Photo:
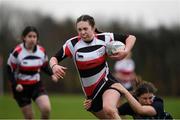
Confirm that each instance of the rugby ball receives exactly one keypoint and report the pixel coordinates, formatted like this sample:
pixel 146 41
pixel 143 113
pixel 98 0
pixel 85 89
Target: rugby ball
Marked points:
pixel 114 46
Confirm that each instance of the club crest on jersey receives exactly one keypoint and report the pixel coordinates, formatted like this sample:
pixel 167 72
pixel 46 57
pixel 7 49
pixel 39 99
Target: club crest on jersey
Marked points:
pixel 80 56
pixel 24 62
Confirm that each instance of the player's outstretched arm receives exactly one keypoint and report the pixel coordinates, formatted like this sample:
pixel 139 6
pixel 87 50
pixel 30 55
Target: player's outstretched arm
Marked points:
pixel 135 105
pixel 58 70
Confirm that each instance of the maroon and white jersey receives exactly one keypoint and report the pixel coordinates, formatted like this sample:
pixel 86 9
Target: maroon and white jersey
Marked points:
pixel 26 65
pixel 89 58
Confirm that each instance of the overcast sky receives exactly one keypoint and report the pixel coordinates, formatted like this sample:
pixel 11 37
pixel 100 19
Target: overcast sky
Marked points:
pixel 151 12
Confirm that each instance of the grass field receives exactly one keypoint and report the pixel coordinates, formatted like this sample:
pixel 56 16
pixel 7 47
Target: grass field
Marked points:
pixel 68 107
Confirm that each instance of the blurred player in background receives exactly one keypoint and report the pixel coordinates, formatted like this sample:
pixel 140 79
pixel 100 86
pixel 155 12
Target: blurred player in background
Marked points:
pixel 124 71
pixel 24 66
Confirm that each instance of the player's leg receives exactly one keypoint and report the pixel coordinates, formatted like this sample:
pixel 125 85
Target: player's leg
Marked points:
pixel 23 100
pixel 27 111
pixel 44 105
pixel 100 114
pixel 111 98
pixel 42 100
pixel 96 106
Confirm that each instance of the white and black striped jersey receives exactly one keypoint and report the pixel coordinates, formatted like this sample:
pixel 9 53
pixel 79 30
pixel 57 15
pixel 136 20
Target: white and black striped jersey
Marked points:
pixel 26 65
pixel 89 58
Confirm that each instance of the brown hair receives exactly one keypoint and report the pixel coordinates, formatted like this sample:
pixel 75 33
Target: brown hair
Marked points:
pixel 144 87
pixel 87 18
pixel 90 20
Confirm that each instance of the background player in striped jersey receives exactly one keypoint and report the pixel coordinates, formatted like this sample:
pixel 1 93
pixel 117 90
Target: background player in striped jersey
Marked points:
pixel 24 65
pixel 124 71
pixel 89 55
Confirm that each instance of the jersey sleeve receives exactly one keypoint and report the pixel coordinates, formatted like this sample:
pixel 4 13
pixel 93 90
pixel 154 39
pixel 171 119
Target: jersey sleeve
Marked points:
pixel 120 37
pixel 125 109
pixel 45 67
pixel 64 52
pixel 12 66
pixel 158 105
pixel 45 58
pixel 12 60
pixel 115 37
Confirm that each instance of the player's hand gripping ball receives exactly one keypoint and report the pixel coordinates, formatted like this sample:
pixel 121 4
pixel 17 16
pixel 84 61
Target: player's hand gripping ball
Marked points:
pixel 114 46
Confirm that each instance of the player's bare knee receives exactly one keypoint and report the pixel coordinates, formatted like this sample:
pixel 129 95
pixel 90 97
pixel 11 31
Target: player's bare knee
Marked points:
pixel 45 114
pixel 109 110
pixel 46 110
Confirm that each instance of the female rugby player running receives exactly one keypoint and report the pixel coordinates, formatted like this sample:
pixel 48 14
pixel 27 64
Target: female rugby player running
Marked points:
pixel 89 55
